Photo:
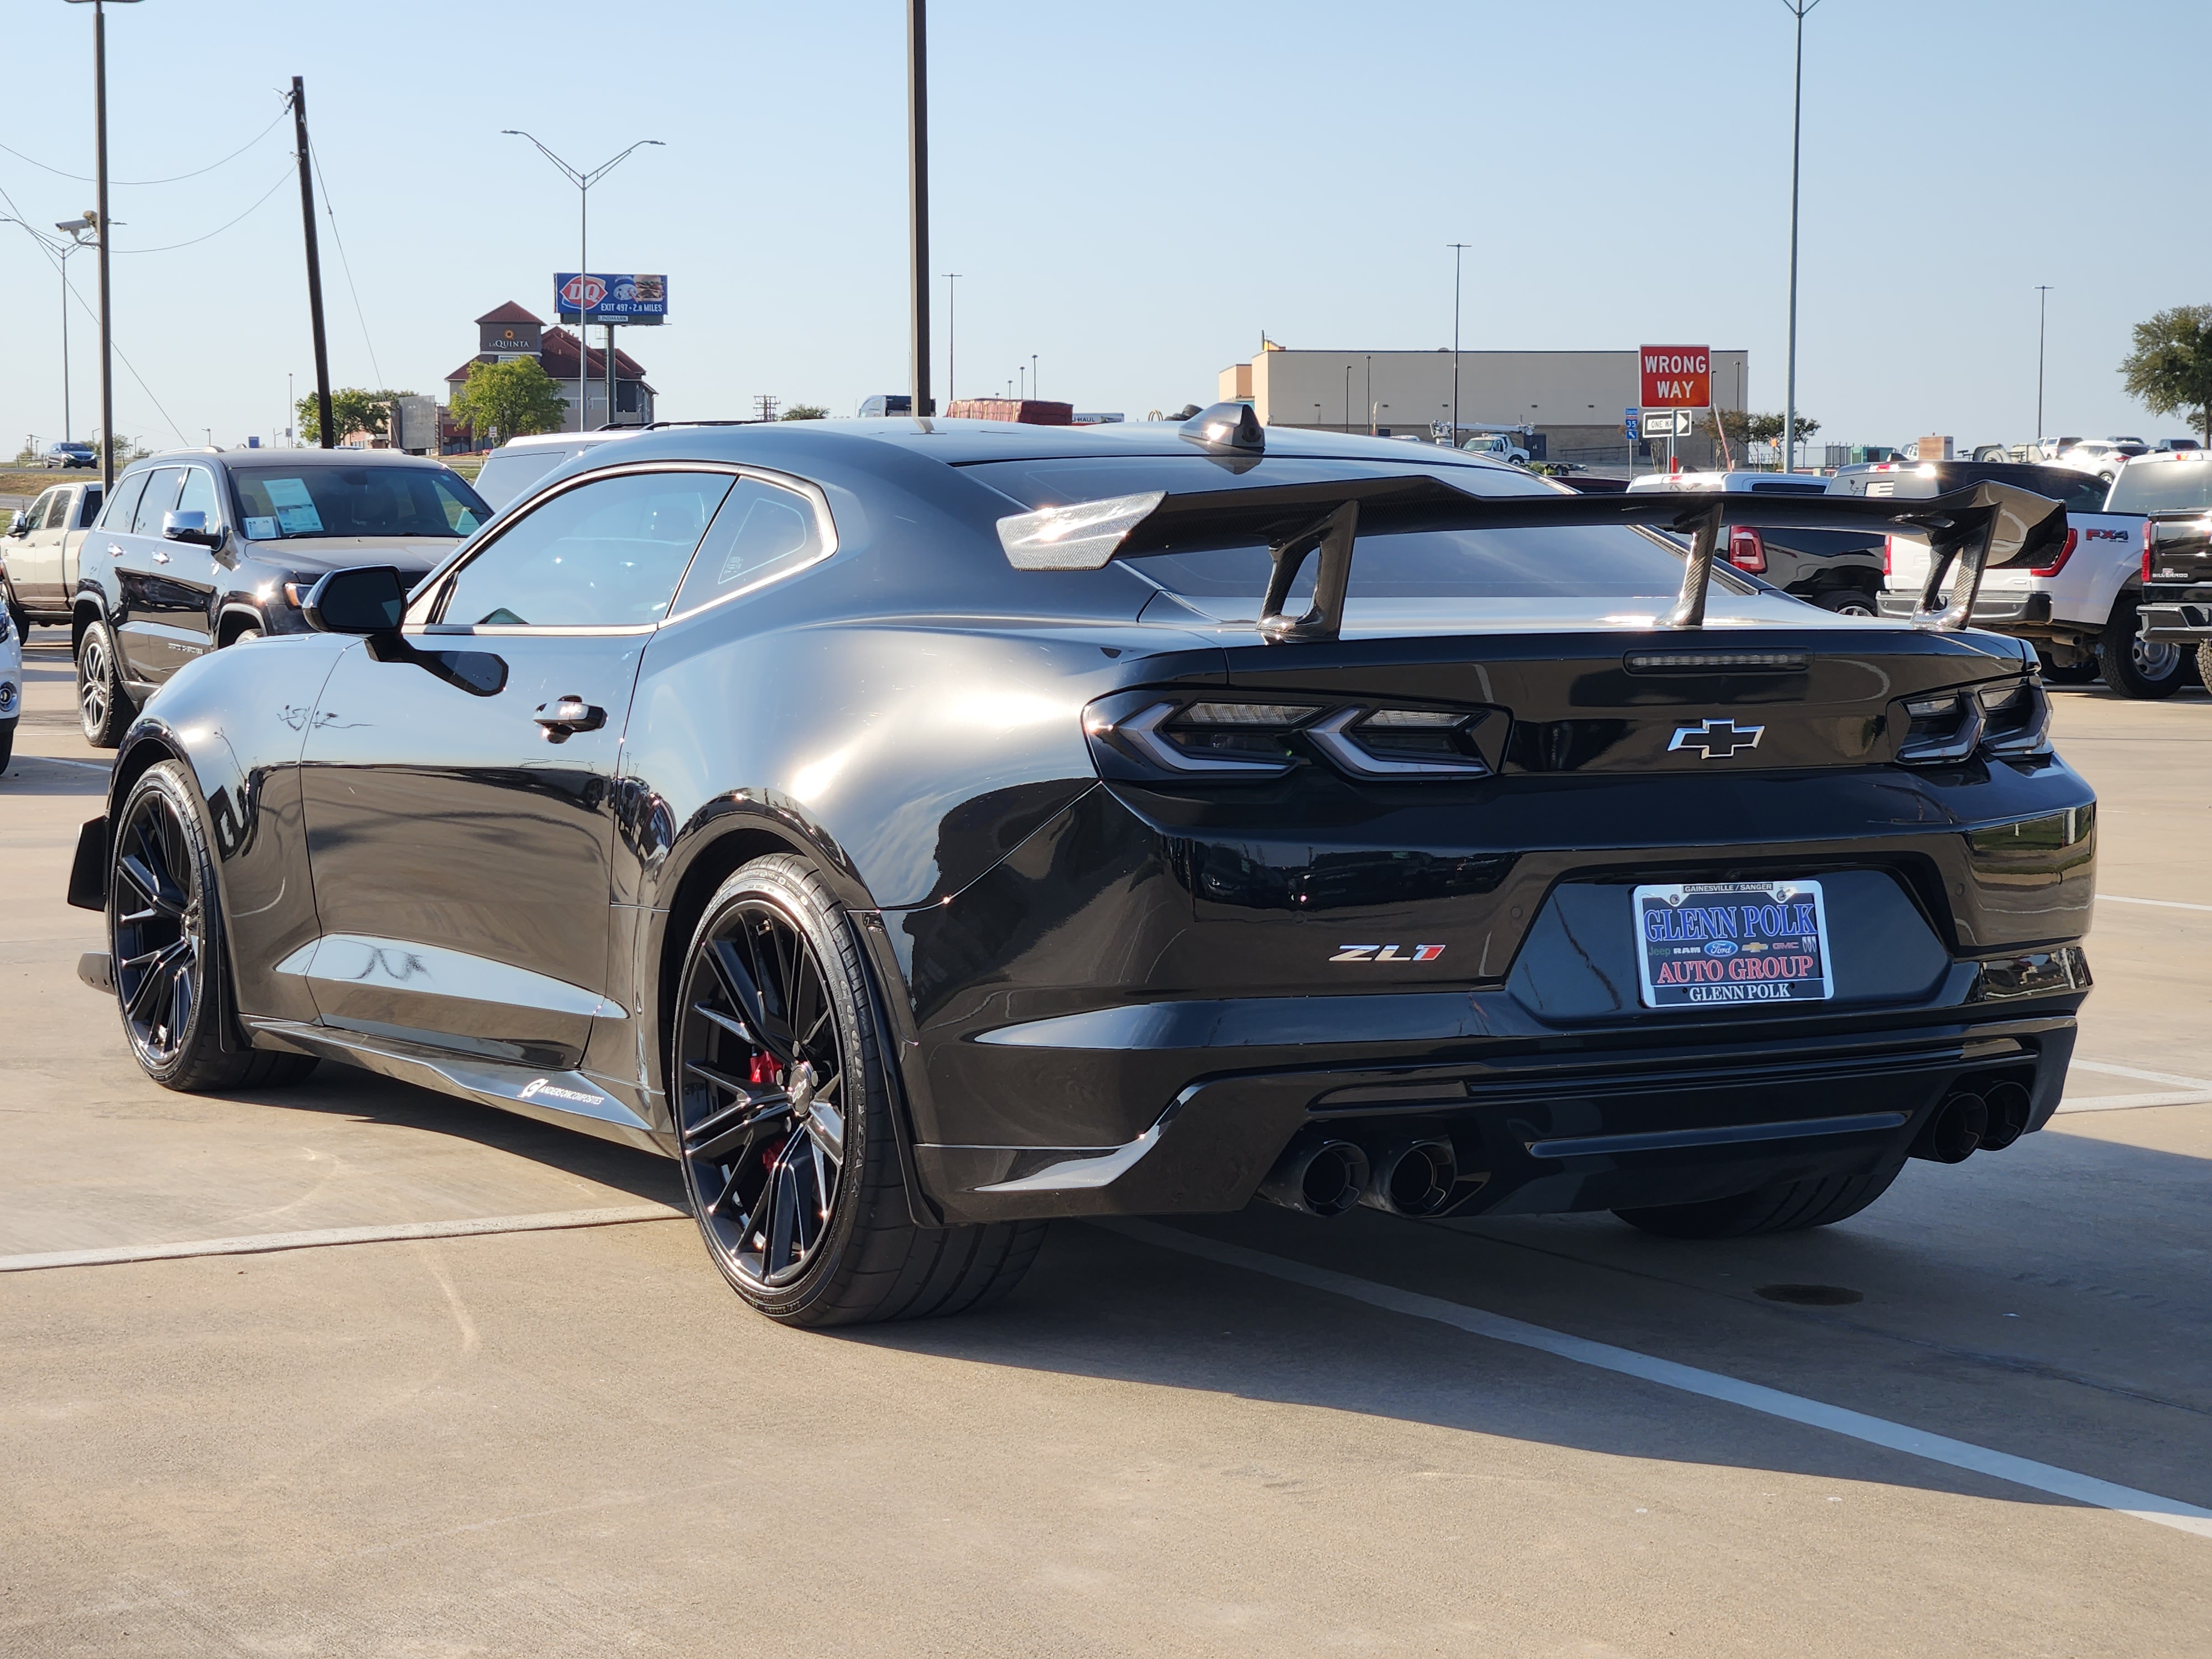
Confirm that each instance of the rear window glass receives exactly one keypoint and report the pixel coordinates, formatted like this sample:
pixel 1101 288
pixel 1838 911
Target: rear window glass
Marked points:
pixel 1583 562
pixel 508 473
pixel 1823 544
pixel 2161 487
pixel 277 503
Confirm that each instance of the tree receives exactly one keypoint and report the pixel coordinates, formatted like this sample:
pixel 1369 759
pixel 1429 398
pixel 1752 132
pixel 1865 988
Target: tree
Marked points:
pixel 509 399
pixel 2170 370
pixel 353 408
pixel 805 412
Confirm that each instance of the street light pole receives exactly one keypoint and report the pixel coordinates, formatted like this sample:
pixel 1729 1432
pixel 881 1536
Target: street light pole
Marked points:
pixel 2042 303
pixel 583 182
pixel 1457 248
pixel 59 253
pixel 952 333
pixel 1798 10
pixel 917 164
pixel 100 211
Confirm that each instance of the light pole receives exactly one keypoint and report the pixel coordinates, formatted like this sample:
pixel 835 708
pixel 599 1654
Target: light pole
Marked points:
pixel 1033 378
pixel 1798 10
pixel 2042 304
pixel 100 213
pixel 1367 394
pixel 1457 248
pixel 952 329
pixel 59 253
pixel 919 404
pixel 583 182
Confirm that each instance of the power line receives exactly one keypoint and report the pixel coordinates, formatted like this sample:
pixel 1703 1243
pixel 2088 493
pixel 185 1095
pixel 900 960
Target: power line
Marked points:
pixel 346 265
pixel 69 288
pixel 171 247
pixel 175 178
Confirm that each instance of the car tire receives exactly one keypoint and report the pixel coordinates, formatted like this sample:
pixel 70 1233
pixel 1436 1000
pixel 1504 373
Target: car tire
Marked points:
pixel 803 1210
pixel 21 622
pixel 103 706
pixel 165 943
pixel 1789 1207
pixel 1848 601
pixel 2133 669
pixel 6 746
pixel 2204 666
pixel 243 636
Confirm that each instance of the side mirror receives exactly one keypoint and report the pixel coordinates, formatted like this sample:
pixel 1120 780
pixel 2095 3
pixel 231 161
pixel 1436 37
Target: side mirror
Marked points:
pixel 366 600
pixel 18 523
pixel 189 526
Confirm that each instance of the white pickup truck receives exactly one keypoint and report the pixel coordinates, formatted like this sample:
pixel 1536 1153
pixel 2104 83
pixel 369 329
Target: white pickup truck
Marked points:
pixel 37 553
pixel 2079 610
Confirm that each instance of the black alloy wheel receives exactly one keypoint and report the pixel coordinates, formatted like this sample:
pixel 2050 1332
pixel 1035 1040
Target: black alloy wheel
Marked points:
pixel 158 919
pixel 164 936
pixel 765 1077
pixel 783 1114
pixel 102 703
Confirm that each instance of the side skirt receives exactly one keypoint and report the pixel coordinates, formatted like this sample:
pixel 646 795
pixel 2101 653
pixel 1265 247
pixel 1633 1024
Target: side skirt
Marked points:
pixel 568 1099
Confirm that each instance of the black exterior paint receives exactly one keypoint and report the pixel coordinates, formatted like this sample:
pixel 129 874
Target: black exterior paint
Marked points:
pixel 1069 961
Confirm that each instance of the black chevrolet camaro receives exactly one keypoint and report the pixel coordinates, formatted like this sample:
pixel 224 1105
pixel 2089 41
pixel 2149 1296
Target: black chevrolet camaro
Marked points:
pixel 922 829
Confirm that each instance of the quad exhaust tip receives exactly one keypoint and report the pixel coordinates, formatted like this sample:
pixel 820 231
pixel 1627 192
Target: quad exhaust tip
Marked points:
pixel 1410 1175
pixel 1987 1120
pixel 1322 1177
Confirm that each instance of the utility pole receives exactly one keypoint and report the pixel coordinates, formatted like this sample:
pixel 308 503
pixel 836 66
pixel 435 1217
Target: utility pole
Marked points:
pixel 1457 248
pixel 1367 394
pixel 2042 304
pixel 951 332
pixel 917 157
pixel 324 422
pixel 1798 10
pixel 99 212
pixel 1033 375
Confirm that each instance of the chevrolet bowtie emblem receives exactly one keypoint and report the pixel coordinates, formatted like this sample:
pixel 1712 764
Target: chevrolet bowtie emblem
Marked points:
pixel 1716 739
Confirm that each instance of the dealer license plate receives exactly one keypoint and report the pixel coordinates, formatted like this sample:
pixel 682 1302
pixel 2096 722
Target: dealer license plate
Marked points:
pixel 1699 944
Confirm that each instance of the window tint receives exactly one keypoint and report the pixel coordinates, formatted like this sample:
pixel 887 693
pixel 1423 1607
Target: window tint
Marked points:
pixel 277 501
pixel 199 495
pixel 90 510
pixel 41 508
pixel 607 552
pixel 762 531
pixel 125 502
pixel 160 497
pixel 509 472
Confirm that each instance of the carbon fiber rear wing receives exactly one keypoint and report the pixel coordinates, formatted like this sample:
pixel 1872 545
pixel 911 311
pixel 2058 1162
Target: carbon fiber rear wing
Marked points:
pixel 1988 527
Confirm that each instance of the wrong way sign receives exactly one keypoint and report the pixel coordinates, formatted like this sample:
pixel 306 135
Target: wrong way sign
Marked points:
pixel 1676 377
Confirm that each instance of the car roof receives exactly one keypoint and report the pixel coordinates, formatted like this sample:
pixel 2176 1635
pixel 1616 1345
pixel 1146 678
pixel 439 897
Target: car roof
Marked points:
pixel 962 443
pixel 307 458
pixel 540 439
pixel 1739 482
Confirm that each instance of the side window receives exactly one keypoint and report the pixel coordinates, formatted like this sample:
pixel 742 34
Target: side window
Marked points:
pixel 199 495
pixel 43 509
pixel 762 531
pixel 124 501
pixel 606 553
pixel 2089 495
pixel 160 497
pixel 89 510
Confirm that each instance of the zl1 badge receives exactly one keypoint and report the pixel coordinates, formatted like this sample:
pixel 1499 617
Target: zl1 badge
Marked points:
pixel 1698 943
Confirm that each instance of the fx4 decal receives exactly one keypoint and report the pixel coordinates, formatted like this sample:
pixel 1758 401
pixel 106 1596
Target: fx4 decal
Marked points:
pixel 1387 953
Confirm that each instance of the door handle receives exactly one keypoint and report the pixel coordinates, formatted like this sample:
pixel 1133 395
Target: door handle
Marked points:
pixel 114 550
pixel 565 716
pixel 160 558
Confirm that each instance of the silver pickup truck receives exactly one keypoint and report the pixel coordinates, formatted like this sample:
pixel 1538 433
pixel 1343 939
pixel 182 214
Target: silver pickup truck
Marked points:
pixel 38 554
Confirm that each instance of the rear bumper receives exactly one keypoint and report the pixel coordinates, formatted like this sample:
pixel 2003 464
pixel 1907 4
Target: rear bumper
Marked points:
pixel 2002 611
pixel 2176 622
pixel 1606 1120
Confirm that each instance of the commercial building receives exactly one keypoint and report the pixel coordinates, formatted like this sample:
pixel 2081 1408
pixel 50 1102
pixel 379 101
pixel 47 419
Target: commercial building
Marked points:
pixel 509 331
pixel 1574 400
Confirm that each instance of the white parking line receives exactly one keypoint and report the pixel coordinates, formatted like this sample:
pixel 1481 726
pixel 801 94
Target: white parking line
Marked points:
pixel 259 1244
pixel 2163 904
pixel 2192 1091
pixel 56 760
pixel 1712 1385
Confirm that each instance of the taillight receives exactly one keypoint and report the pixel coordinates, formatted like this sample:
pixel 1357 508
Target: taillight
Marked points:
pixel 1146 736
pixel 2065 552
pixel 2011 720
pixel 1746 551
pixel 1888 550
pixel 2149 541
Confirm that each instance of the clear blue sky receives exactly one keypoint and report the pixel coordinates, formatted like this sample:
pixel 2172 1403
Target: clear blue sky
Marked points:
pixel 1134 190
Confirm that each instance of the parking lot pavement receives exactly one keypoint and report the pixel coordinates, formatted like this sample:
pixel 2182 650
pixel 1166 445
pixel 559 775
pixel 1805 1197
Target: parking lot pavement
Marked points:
pixel 1229 1435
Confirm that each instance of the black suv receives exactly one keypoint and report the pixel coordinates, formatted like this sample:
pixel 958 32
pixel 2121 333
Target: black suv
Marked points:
pixel 201 549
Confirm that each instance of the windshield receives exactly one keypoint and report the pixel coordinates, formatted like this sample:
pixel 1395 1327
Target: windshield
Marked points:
pixel 277 503
pixel 1581 562
pixel 2161 487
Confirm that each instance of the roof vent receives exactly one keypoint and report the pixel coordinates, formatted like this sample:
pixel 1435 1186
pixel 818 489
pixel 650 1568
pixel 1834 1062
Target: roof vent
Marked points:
pixel 1227 426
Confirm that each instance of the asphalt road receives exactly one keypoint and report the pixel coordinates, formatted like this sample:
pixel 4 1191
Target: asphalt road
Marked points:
pixel 1241 1435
